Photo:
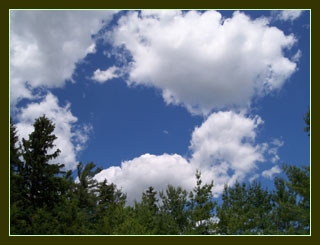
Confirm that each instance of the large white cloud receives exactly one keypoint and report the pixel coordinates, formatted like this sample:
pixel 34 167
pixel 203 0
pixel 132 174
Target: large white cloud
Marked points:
pixel 201 60
pixel 223 148
pixel 136 175
pixel 45 45
pixel 71 137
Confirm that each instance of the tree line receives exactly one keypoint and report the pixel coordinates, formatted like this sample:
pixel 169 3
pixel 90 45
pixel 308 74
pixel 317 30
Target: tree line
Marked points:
pixel 45 199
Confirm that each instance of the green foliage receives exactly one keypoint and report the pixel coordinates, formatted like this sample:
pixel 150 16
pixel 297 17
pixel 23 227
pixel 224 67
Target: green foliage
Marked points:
pixel 245 210
pixel 44 199
pixel 40 177
pixel 291 212
pixel 307 121
pixel 174 216
pixel 201 207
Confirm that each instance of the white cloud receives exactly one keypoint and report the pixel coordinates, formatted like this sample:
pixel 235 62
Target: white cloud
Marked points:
pixel 71 137
pixel 223 149
pixel 136 175
pixel 297 56
pixel 201 60
pixel 270 172
pixel 103 76
pixel 45 45
pixel 273 151
pixel 254 177
pixel 289 15
pixel 225 142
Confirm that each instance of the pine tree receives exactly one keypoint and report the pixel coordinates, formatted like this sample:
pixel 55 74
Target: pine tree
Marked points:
pixel 147 212
pixel 201 208
pixel 307 121
pixel 245 210
pixel 291 199
pixel 174 217
pixel 110 208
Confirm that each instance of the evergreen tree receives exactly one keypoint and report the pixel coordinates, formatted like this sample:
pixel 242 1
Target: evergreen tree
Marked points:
pixel 174 216
pixel 246 209
pixel 147 212
pixel 110 208
pixel 87 186
pixel 201 208
pixel 36 183
pixel 18 193
pixel 232 211
pixel 87 190
pixel 307 121
pixel 284 211
pixel 41 178
pixel 16 166
pixel 291 213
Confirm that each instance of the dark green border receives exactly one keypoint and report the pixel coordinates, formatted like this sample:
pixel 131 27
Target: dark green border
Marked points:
pixel 6 239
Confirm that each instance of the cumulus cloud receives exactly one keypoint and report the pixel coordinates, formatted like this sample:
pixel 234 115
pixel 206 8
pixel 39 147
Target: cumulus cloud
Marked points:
pixel 270 172
pixel 45 45
pixel 201 60
pixel 71 138
pixel 288 15
pixel 103 76
pixel 223 149
pixel 224 142
pixel 135 175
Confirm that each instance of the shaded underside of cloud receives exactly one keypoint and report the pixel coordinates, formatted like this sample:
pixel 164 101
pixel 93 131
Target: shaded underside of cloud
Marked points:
pixel 201 60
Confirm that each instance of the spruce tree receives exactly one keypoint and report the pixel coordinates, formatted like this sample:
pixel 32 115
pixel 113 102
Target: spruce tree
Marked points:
pixel 41 177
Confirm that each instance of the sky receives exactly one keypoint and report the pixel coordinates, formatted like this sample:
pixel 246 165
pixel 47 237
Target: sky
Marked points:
pixel 152 96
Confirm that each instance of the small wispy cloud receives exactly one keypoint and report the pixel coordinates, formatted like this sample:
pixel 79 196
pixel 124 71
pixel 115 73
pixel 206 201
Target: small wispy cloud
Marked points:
pixel 297 56
pixel 270 172
pixel 103 76
pixel 273 151
pixel 287 15
pixel 165 131
pixel 254 177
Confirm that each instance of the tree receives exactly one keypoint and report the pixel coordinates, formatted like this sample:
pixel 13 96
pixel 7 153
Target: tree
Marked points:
pixel 87 186
pixel 17 188
pixel 259 211
pixel 232 211
pixel 245 210
pixel 291 213
pixel 201 208
pixel 19 202
pixel 147 212
pixel 37 184
pixel 110 208
pixel 41 178
pixel 307 121
pixel 174 216
pixel 284 211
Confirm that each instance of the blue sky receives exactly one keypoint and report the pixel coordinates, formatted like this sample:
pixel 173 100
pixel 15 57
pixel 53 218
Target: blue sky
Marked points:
pixel 151 96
